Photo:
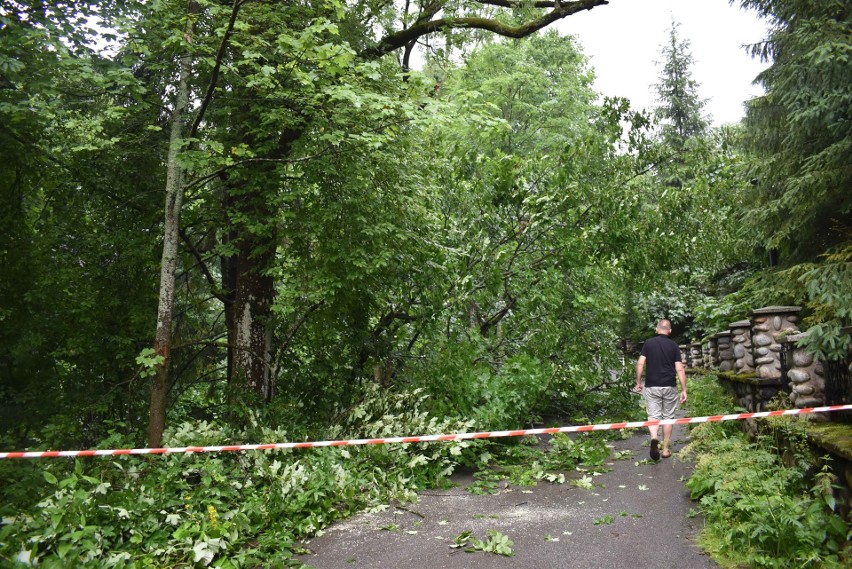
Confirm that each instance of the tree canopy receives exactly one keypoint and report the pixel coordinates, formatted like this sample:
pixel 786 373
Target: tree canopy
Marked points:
pixel 250 220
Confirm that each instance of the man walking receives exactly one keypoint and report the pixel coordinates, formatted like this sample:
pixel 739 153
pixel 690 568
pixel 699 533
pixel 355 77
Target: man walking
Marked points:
pixel 661 398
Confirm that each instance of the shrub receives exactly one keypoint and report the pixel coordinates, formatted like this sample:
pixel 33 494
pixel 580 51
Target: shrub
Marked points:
pixel 765 502
pixel 241 509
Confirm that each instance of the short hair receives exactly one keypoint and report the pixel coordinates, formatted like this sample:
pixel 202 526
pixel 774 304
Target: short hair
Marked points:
pixel 664 325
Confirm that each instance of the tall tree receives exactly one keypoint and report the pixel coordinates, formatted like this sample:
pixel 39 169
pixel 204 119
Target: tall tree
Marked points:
pixel 799 135
pixel 272 73
pixel 171 233
pixel 534 200
pixel 680 108
pixel 78 246
pixel 695 183
pixel 800 131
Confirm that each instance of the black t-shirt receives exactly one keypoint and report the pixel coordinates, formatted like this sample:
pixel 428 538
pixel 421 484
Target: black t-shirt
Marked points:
pixel 661 353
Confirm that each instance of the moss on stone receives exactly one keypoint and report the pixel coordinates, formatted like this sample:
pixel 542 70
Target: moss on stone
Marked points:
pixel 834 437
pixel 750 378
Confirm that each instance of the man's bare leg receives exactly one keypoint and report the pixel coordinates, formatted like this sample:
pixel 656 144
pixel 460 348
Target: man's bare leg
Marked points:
pixel 667 435
pixel 653 430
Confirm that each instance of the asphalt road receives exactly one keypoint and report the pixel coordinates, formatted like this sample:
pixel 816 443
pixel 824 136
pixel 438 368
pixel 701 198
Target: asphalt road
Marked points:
pixel 552 526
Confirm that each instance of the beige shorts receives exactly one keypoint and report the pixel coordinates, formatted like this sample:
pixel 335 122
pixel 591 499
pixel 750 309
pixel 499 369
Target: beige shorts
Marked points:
pixel 661 402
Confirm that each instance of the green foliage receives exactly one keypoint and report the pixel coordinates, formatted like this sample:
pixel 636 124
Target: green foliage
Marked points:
pixel 799 131
pixel 708 397
pixel 680 107
pixel 527 462
pixel 485 482
pixel 582 396
pixel 689 252
pixel 827 284
pixel 148 361
pixel 821 287
pixel 234 510
pixel 496 543
pixel 762 509
pixel 492 398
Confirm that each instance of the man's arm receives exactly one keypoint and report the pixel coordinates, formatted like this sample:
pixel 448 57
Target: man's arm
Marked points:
pixel 681 374
pixel 640 366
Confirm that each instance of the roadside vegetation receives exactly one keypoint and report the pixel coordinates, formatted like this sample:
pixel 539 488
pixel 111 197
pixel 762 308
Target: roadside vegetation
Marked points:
pixel 767 501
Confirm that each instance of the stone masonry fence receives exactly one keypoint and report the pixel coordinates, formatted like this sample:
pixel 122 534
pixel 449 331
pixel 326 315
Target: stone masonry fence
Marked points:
pixel 758 358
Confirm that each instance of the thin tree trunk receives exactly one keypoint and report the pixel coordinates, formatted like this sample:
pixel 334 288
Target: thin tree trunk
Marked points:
pixel 168 263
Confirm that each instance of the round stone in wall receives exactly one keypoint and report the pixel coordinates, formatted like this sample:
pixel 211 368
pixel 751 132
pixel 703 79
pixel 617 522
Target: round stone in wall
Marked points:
pixel 802 359
pixel 762 340
pixel 804 389
pixel 767 372
pixel 798 375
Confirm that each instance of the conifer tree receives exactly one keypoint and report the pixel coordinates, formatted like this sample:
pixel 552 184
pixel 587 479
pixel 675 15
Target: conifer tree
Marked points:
pixel 680 109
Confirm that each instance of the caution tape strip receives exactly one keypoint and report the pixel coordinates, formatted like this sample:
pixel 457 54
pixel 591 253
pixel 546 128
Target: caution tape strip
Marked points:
pixel 424 438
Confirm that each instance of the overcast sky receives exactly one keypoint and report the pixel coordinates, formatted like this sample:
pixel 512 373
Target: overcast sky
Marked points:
pixel 623 41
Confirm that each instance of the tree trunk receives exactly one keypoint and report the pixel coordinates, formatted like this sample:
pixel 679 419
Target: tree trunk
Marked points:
pixel 251 326
pixel 229 268
pixel 168 263
pixel 252 314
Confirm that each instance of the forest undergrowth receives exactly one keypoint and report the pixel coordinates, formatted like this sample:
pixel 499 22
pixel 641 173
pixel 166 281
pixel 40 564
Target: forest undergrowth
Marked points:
pixel 767 500
pixel 249 509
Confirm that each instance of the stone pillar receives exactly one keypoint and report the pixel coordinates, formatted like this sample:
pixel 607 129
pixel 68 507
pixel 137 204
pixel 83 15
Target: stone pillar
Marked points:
pixel 630 347
pixel 714 351
pixel 684 354
pixel 769 326
pixel 806 375
pixel 741 340
pixel 726 351
pixel 705 355
pixel 696 359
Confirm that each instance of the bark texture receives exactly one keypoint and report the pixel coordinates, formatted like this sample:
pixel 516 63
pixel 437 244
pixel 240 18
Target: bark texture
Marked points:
pixel 168 263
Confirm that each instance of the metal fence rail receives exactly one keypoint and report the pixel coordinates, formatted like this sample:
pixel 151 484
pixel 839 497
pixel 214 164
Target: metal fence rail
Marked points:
pixel 838 386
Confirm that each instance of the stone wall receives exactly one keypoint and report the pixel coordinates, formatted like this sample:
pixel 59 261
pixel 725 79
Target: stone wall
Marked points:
pixel 726 351
pixel 750 392
pixel 769 327
pixel 741 340
pixel 806 375
pixel 748 356
pixel 696 357
pixel 713 347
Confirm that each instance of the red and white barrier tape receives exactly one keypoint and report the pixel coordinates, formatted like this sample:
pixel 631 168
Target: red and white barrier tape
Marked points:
pixel 425 438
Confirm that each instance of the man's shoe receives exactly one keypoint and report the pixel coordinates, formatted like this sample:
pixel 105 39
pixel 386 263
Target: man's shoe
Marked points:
pixel 655 449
